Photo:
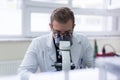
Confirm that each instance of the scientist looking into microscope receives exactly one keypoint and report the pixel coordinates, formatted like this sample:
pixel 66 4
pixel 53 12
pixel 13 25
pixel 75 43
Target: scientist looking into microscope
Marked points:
pixel 43 52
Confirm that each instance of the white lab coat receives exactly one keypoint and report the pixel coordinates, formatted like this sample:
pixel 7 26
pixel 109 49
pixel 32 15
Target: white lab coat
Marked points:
pixel 42 54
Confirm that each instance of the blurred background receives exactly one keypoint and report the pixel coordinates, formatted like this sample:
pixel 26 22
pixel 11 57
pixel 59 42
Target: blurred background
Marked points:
pixel 23 20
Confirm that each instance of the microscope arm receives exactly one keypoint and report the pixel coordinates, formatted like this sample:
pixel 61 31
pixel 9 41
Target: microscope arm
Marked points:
pixel 65 53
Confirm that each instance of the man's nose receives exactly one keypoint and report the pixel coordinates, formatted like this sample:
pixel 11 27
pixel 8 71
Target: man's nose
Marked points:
pixel 62 33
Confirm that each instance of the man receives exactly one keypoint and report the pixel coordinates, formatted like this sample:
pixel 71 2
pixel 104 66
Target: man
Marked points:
pixel 43 51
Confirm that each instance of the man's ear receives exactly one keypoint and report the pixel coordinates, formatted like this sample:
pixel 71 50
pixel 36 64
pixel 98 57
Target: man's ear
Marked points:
pixel 50 26
pixel 73 26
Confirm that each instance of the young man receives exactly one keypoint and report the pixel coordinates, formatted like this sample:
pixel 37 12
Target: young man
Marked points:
pixel 43 51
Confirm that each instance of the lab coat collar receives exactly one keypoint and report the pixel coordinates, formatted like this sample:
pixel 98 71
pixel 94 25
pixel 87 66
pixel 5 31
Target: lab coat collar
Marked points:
pixel 51 48
pixel 76 49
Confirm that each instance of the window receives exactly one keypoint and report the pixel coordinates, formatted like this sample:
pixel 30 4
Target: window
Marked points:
pixel 88 23
pixel 51 1
pixel 88 3
pixel 31 18
pixel 91 16
pixel 10 17
pixel 40 22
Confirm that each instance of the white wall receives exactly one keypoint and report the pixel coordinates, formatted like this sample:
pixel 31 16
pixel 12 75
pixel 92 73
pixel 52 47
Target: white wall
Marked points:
pixel 15 50
pixel 114 42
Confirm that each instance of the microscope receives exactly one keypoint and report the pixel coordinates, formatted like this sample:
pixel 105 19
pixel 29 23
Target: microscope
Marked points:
pixel 64 43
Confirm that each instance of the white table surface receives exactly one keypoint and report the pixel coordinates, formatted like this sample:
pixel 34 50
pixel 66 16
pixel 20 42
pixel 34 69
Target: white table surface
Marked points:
pixel 83 74
pixel 111 65
pixel 100 61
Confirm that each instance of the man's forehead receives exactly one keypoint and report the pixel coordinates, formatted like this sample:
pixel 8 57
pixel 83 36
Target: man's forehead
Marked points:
pixel 68 25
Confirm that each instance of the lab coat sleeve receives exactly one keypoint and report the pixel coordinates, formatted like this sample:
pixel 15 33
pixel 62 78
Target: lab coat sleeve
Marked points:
pixel 29 64
pixel 88 55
